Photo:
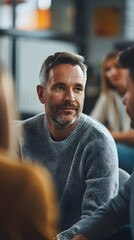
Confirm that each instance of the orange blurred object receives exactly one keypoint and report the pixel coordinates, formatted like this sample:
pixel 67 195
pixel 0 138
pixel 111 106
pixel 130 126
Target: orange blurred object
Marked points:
pixel 43 19
pixel 107 22
pixel 38 20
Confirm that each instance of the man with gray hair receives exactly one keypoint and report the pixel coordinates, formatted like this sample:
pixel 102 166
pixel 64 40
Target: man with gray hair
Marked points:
pixel 78 151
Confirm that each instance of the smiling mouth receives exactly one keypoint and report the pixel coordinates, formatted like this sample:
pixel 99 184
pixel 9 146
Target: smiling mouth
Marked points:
pixel 67 109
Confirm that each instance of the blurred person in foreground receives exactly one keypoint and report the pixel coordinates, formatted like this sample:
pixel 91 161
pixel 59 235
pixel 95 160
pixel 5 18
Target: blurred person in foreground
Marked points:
pixel 28 207
pixel 111 217
pixel 78 151
pixel 110 111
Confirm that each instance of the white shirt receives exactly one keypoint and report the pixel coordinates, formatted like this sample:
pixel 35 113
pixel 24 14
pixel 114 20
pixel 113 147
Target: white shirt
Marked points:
pixel 110 111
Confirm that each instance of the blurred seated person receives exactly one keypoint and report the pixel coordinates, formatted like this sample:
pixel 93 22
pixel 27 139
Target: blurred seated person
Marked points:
pixel 28 208
pixel 111 112
pixel 108 220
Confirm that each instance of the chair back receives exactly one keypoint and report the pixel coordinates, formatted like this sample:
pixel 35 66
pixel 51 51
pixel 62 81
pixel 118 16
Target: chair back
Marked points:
pixel 123 177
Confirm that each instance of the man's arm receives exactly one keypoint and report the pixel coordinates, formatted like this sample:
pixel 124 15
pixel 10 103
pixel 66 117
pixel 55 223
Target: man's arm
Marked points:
pixel 101 182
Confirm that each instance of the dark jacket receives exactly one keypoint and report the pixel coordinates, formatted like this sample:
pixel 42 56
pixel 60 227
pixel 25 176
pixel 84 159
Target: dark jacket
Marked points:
pixel 111 217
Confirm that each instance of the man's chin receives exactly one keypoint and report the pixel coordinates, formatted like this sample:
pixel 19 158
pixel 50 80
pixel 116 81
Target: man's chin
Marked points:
pixel 65 122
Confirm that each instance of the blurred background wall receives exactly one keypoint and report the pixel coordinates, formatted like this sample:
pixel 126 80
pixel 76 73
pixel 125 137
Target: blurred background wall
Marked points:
pixel 30 30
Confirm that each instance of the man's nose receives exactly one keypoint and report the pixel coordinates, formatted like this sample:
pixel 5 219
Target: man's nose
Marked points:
pixel 70 95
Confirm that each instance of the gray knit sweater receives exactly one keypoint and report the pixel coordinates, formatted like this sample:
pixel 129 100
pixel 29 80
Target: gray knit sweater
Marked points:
pixel 84 167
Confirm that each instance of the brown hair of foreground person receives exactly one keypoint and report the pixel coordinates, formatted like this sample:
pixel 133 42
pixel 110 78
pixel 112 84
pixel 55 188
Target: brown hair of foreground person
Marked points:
pixel 28 203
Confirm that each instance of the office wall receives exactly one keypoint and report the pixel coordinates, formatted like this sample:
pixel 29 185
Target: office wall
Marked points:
pixel 30 55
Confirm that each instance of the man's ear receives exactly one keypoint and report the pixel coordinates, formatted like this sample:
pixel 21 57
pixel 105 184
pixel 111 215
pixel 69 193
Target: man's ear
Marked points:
pixel 40 92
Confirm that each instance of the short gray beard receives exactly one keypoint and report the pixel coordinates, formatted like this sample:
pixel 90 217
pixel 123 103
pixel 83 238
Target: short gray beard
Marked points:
pixel 60 121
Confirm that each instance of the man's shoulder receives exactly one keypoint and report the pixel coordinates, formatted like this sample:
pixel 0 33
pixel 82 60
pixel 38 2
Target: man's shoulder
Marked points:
pixel 89 121
pixel 94 127
pixel 32 120
pixel 31 126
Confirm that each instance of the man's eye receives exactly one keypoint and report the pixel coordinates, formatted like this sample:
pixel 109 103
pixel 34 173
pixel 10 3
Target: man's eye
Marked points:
pixel 78 89
pixel 59 87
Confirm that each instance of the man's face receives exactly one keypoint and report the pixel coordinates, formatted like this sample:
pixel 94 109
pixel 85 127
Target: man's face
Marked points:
pixel 128 98
pixel 64 95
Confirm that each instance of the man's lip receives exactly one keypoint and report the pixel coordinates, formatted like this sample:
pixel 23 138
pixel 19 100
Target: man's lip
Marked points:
pixel 67 109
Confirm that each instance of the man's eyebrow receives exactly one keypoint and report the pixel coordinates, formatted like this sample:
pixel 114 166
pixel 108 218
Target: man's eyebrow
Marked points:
pixel 59 83
pixel 79 84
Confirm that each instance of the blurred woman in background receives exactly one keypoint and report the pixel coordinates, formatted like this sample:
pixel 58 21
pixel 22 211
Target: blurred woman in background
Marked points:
pixel 28 207
pixel 111 112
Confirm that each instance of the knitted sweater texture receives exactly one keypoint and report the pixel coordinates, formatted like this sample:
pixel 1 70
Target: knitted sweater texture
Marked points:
pixel 84 167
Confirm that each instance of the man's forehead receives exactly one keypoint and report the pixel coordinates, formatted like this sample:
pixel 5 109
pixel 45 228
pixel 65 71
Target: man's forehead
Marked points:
pixel 59 73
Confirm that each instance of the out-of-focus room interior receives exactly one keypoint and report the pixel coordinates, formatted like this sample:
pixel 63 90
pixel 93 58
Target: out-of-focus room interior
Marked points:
pixel 30 30
pixel 85 159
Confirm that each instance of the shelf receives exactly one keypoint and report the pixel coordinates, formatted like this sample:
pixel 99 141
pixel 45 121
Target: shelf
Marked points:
pixel 40 35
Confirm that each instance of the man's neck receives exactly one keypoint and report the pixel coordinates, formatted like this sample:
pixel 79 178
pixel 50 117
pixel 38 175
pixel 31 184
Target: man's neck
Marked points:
pixel 60 133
